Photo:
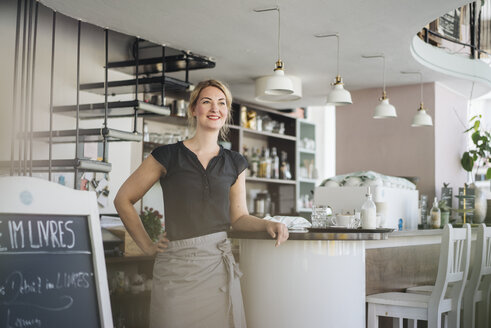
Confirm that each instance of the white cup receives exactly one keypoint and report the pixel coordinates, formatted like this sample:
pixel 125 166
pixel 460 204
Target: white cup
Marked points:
pixel 348 221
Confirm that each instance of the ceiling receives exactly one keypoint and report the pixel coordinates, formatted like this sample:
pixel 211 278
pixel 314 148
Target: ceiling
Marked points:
pixel 243 42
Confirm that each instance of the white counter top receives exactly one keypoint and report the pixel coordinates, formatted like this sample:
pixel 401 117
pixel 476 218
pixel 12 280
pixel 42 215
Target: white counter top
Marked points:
pixel 410 238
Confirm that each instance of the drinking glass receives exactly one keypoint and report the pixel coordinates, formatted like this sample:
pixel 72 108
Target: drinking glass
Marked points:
pixel 320 216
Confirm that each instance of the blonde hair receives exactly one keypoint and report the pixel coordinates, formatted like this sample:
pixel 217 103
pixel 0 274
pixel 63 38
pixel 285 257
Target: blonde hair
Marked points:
pixel 193 100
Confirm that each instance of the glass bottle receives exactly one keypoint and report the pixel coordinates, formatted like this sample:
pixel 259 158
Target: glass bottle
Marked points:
pixel 435 215
pixel 262 164
pixel 275 164
pixel 254 163
pixel 268 164
pixel 285 172
pixel 368 213
pixel 146 134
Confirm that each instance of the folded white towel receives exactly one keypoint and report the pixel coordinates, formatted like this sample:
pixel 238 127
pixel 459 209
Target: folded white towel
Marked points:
pixel 291 222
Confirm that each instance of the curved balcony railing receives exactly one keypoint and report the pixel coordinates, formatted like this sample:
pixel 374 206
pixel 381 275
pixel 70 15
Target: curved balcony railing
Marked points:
pixel 466 30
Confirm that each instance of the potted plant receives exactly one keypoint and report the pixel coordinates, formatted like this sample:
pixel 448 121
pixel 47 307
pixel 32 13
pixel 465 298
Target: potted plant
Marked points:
pixel 480 155
pixel 474 159
pixel 151 222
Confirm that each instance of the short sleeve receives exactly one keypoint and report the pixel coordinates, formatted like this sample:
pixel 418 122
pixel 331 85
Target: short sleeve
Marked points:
pixel 240 162
pixel 162 154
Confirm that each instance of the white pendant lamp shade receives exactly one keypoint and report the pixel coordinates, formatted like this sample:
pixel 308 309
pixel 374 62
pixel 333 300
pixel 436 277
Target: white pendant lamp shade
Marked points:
pixel 278 84
pixel 262 96
pixel 422 118
pixel 277 87
pixel 384 109
pixel 339 96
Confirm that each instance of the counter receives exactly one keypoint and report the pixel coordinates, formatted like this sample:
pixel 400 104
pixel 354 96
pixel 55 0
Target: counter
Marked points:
pixel 312 280
pixel 321 279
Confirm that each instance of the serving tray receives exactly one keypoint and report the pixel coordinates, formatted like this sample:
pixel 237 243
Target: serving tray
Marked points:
pixel 348 230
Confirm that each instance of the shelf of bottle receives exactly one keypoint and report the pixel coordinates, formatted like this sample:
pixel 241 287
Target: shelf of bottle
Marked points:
pixel 173 63
pixel 306 151
pixel 145 84
pixel 268 134
pixel 304 209
pixel 307 180
pixel 267 180
pixel 115 109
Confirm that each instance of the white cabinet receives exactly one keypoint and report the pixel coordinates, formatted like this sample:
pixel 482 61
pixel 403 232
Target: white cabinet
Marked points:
pixel 305 166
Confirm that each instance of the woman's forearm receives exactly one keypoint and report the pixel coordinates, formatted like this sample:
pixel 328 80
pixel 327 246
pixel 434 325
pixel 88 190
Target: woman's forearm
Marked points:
pixel 249 223
pixel 134 225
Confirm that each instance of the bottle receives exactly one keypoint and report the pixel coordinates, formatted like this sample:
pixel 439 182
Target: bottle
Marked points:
pixel 368 213
pixel 268 165
pixel 146 135
pixel 247 156
pixel 254 163
pixel 435 215
pixel 262 164
pixel 243 116
pixel 275 164
pixel 285 172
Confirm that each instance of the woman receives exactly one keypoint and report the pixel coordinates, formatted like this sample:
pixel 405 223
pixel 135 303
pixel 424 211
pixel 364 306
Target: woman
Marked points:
pixel 195 278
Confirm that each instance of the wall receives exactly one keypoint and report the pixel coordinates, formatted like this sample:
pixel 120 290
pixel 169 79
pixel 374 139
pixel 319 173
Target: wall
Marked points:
pixel 450 141
pixel 92 70
pixel 387 146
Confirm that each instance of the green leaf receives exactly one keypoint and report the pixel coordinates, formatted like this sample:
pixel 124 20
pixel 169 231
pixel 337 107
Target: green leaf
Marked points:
pixel 476 136
pixel 467 162
pixel 488 174
pixel 476 125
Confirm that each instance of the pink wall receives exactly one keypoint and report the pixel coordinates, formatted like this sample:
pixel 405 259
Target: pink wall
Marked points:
pixel 387 146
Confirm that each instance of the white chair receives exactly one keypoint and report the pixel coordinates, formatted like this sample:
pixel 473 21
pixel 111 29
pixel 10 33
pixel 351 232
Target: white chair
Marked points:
pixel 477 289
pixel 476 294
pixel 453 268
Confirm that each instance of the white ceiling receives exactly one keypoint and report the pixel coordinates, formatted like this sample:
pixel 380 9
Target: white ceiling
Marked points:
pixel 243 42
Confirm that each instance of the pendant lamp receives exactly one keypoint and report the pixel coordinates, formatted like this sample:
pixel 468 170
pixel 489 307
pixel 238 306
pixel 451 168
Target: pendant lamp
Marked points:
pixel 421 118
pixel 384 109
pixel 338 96
pixel 278 86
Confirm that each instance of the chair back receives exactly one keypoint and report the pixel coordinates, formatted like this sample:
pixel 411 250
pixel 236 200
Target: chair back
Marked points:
pixel 453 267
pixel 481 273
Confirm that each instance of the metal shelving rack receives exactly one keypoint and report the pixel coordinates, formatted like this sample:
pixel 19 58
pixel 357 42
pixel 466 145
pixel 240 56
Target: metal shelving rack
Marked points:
pixel 149 76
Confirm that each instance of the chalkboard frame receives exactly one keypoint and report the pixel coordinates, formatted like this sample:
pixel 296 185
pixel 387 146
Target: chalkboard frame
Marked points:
pixel 28 195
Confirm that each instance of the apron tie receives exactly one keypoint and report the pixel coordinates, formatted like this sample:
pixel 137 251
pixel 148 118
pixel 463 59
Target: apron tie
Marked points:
pixel 233 272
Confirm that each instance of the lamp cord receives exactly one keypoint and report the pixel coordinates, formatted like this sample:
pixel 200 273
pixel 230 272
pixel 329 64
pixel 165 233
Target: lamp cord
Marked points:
pixel 279 30
pixel 383 73
pixel 337 64
pixel 421 86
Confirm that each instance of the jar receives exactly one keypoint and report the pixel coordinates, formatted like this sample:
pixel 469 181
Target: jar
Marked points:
pixel 262 204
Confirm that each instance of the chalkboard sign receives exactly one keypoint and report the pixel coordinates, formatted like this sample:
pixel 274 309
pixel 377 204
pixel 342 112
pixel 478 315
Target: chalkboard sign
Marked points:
pixel 52 271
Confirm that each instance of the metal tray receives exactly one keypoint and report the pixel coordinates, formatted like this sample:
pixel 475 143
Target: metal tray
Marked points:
pixel 344 229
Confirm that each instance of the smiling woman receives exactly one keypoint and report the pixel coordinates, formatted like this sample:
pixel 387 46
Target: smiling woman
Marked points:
pixel 211 95
pixel 203 187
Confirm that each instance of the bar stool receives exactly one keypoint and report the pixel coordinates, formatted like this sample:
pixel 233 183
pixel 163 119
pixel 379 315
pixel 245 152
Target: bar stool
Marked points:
pixel 453 268
pixel 478 287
